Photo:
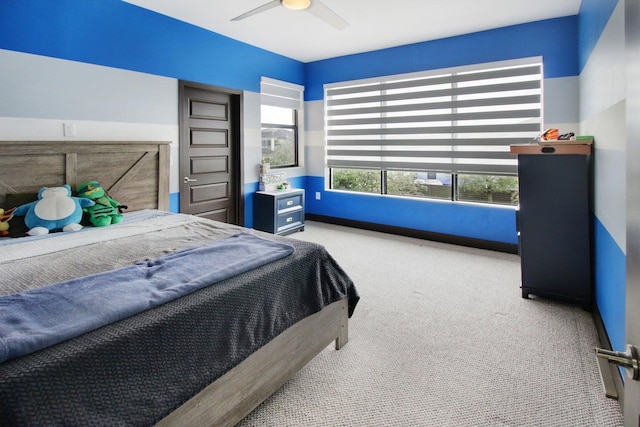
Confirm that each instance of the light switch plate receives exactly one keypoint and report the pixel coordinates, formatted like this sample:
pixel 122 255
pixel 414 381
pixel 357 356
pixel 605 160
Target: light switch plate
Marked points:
pixel 69 129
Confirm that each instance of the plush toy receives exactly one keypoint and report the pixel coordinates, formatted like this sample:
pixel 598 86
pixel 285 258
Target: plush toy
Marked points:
pixel 106 210
pixel 54 210
pixel 5 217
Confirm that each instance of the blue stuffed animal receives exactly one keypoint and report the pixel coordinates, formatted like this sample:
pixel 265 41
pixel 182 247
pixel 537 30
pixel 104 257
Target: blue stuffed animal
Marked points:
pixel 54 210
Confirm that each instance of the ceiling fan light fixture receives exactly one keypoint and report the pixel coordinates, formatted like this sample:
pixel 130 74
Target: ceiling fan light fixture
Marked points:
pixel 296 4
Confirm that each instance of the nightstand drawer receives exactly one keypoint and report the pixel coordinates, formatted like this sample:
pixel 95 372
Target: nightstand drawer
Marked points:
pixel 291 219
pixel 290 202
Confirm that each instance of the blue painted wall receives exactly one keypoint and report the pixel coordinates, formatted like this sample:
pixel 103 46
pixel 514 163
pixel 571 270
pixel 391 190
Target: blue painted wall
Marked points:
pixel 593 18
pixel 555 40
pixel 458 219
pixel 610 284
pixel 117 34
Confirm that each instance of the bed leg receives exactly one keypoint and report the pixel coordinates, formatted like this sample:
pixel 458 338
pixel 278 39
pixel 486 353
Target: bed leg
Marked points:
pixel 343 335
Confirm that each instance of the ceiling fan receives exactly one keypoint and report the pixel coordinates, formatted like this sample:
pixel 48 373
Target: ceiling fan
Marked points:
pixel 315 7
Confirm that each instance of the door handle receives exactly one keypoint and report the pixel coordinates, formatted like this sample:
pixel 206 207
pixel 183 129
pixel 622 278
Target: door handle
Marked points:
pixel 628 360
pixel 187 179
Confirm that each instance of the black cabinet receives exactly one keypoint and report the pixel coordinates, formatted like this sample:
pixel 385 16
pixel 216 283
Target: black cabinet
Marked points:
pixel 279 212
pixel 554 224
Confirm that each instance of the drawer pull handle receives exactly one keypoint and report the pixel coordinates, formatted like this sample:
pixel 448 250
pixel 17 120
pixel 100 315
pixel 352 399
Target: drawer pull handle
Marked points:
pixel 290 219
pixel 289 202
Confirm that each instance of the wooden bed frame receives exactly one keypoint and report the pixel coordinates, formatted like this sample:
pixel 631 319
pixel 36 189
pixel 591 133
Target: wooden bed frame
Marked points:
pixel 136 173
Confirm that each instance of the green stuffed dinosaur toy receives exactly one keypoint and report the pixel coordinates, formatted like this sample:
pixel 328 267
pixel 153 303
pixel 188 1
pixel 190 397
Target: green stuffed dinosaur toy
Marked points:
pixel 106 211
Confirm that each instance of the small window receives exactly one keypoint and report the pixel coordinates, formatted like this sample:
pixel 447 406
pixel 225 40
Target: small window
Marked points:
pixel 358 180
pixel 279 136
pixel 494 189
pixel 419 184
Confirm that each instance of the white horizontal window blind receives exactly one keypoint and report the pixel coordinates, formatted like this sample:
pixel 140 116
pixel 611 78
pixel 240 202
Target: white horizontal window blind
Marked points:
pixel 281 94
pixel 460 120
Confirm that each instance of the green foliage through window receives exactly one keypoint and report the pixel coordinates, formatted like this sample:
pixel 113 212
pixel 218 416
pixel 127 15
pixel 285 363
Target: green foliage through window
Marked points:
pixel 363 181
pixel 278 147
pixel 414 184
pixel 279 136
pixel 501 190
pixel 492 189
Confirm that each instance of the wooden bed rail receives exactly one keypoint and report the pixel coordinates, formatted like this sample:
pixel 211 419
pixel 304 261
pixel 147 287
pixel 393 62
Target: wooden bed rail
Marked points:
pixel 234 395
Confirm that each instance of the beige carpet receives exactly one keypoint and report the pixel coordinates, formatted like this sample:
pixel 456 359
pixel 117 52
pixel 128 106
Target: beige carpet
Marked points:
pixel 442 337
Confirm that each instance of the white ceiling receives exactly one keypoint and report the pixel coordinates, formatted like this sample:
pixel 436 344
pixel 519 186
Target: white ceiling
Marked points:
pixel 373 24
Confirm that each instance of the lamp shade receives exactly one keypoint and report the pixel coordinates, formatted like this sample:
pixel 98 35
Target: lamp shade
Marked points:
pixel 296 4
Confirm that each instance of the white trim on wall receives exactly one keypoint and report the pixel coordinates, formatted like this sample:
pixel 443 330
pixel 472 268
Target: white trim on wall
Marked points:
pixel 50 88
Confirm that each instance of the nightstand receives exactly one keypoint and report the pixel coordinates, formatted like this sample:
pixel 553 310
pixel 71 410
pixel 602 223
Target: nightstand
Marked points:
pixel 279 212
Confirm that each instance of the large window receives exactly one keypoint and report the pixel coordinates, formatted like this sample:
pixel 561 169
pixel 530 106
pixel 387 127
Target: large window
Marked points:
pixel 280 102
pixel 442 134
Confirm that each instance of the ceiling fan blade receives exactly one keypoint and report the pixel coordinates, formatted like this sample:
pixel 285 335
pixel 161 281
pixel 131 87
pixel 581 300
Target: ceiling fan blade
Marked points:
pixel 321 11
pixel 258 9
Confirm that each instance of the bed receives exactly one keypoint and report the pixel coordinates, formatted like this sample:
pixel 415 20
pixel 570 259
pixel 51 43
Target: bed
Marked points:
pixel 208 357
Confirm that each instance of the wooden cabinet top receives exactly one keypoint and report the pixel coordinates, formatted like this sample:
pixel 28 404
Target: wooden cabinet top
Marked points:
pixel 550 148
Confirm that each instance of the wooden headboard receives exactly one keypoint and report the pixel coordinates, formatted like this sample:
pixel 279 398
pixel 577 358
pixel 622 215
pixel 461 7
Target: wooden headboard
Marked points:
pixel 135 173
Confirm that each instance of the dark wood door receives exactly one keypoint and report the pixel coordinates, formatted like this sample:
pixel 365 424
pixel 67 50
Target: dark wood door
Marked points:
pixel 210 153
